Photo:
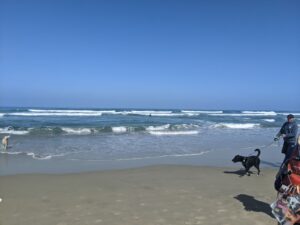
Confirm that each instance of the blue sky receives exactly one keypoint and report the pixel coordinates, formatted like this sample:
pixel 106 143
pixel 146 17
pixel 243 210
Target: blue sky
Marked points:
pixel 150 54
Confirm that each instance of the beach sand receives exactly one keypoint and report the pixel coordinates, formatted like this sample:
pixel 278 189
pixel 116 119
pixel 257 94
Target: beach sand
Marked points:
pixel 146 196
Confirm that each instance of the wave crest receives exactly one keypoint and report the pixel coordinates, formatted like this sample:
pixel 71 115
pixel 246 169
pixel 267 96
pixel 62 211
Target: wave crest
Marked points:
pixel 237 125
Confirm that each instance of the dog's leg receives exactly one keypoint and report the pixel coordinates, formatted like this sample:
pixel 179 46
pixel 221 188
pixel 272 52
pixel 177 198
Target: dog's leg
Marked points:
pixel 258 170
pixel 247 171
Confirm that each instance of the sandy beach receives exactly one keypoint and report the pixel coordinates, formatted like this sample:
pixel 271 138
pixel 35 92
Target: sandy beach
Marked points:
pixel 150 195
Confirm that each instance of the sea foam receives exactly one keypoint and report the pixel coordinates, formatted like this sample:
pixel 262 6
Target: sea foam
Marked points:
pixel 9 130
pixel 158 128
pixel 119 129
pixel 236 125
pixel 162 133
pixel 270 120
pixel 76 130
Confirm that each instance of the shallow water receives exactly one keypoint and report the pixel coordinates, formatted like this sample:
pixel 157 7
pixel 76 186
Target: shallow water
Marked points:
pixel 80 140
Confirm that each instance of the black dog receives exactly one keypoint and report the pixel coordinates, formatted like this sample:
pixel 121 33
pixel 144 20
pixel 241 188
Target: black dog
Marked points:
pixel 249 161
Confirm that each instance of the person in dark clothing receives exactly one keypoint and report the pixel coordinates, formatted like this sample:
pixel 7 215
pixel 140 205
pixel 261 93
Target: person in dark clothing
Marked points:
pixel 288 132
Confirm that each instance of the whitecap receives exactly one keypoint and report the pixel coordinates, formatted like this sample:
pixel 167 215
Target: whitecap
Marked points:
pixel 236 125
pixel 119 129
pixel 269 120
pixel 242 114
pixel 76 130
pixel 262 113
pixel 295 114
pixel 201 112
pixel 9 130
pixel 55 114
pixel 162 133
pixel 155 128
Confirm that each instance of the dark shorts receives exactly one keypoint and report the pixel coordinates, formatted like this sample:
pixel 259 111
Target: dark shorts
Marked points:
pixel 286 147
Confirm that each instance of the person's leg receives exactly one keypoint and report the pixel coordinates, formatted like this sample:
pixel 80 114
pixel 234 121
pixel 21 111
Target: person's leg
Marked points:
pixel 284 148
pixel 290 150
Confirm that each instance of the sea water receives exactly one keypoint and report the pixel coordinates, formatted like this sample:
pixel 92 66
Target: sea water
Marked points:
pixel 108 138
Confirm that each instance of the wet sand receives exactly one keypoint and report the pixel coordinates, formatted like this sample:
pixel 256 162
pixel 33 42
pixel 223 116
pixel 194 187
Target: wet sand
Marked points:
pixel 156 195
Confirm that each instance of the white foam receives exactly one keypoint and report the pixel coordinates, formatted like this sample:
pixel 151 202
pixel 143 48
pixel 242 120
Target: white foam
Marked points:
pixel 161 133
pixel 34 156
pixel 76 130
pixel 185 126
pixel 236 125
pixel 149 113
pixel 143 158
pixel 31 154
pixel 61 111
pixel 12 153
pixel 79 111
pixel 2 114
pixel 55 114
pixel 156 128
pixel 170 114
pixel 164 156
pixel 264 113
pixel 242 114
pixel 119 129
pixel 285 114
pixel 269 120
pixel 201 112
pixel 12 131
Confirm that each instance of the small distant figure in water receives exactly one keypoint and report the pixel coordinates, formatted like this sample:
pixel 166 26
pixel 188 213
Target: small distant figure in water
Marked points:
pixel 150 115
pixel 5 142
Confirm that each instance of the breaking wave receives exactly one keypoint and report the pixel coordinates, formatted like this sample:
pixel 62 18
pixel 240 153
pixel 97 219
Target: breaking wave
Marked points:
pixel 262 113
pixel 201 112
pixel 237 125
pixel 77 130
pixel 66 112
pixel 270 120
pixel 285 114
pixel 158 128
pixel 162 133
pixel 119 129
pixel 10 130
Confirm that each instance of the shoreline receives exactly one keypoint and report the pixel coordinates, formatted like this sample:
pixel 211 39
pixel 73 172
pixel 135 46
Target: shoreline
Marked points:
pixel 24 164
pixel 163 194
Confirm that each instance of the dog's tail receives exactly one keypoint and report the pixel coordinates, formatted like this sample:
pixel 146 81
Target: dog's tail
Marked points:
pixel 258 152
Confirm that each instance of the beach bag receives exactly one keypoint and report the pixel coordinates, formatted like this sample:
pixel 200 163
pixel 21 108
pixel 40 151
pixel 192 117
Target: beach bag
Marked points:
pixel 287 210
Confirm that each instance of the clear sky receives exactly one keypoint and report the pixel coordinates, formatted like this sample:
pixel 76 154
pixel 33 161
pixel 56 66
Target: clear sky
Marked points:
pixel 202 54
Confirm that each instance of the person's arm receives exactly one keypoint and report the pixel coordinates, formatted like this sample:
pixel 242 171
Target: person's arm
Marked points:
pixel 280 133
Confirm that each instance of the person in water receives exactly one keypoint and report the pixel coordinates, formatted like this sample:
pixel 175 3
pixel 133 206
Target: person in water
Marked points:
pixel 288 132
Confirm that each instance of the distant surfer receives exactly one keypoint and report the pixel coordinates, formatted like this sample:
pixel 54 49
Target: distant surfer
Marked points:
pixel 5 142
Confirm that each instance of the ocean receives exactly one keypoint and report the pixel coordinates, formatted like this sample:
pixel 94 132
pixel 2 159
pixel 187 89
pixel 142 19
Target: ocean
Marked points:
pixel 87 139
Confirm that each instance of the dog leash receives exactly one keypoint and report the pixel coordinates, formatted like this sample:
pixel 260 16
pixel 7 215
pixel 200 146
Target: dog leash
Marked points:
pixel 262 146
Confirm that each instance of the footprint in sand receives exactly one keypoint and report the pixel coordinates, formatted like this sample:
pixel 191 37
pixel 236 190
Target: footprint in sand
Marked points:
pixel 221 210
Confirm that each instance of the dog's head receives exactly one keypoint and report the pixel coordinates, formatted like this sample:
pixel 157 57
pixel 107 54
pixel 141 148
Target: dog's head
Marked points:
pixel 237 158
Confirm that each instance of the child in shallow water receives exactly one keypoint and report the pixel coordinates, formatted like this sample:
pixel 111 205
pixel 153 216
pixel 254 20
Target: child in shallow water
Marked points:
pixel 5 142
